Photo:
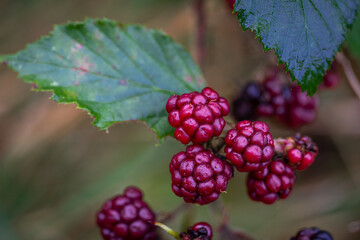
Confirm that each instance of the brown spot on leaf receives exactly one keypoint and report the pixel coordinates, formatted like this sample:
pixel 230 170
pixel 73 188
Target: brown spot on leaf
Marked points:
pixel 188 79
pixel 122 82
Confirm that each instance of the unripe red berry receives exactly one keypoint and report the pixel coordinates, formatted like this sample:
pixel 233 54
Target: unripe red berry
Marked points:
pixel 298 151
pixel 249 146
pixel 126 217
pixel 197 116
pixel 271 183
pixel 198 175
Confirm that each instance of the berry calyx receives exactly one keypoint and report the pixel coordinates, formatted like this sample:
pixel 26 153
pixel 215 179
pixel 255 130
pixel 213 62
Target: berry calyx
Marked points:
pixel 249 146
pixel 200 231
pixel 298 151
pixel 312 234
pixel 126 217
pixel 198 175
pixel 271 183
pixel 197 116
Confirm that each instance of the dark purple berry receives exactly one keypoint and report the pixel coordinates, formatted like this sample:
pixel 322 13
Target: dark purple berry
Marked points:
pixel 244 107
pixel 200 231
pixel 312 234
pixel 126 217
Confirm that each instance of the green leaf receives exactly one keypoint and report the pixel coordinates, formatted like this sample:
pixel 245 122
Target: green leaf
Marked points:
pixel 353 38
pixel 117 73
pixel 305 34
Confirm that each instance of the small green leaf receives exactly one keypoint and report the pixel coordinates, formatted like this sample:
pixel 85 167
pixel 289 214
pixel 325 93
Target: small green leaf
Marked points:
pixel 353 38
pixel 117 73
pixel 305 34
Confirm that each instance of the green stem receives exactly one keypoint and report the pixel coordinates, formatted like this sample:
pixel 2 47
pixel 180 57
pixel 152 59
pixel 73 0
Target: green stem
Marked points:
pixel 168 230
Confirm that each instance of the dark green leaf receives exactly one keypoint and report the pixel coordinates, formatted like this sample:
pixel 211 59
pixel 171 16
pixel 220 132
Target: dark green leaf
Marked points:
pixel 117 73
pixel 353 39
pixel 305 34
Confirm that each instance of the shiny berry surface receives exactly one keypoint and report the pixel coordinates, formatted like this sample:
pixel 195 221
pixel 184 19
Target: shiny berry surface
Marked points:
pixel 271 183
pixel 126 217
pixel 197 116
pixel 200 231
pixel 249 146
pixel 198 175
pixel 312 234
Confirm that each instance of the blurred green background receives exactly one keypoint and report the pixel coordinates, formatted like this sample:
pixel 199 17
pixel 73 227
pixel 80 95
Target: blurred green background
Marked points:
pixel 56 169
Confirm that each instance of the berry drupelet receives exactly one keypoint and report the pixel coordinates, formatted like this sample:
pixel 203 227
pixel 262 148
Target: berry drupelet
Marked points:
pixel 249 146
pixel 198 175
pixel 197 116
pixel 126 217
pixel 271 183
pixel 200 231
pixel 312 234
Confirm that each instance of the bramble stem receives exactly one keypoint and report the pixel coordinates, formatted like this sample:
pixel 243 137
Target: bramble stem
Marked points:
pixel 349 72
pixel 200 31
pixel 168 230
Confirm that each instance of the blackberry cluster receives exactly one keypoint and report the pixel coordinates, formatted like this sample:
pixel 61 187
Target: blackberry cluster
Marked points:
pixel 200 231
pixel 126 217
pixel 197 116
pixel 271 183
pixel 299 151
pixel 312 234
pixel 276 97
pixel 249 146
pixel 198 175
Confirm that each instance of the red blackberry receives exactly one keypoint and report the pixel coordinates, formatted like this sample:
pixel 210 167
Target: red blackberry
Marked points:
pixel 249 146
pixel 331 78
pixel 271 182
pixel 312 234
pixel 298 151
pixel 126 217
pixel 200 231
pixel 301 109
pixel 274 97
pixel 197 116
pixel 198 175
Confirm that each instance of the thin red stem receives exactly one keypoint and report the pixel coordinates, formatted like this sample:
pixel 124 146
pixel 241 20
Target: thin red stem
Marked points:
pixel 199 8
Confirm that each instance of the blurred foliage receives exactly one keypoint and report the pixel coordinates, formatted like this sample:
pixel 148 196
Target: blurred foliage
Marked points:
pixel 56 169
pixel 353 38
